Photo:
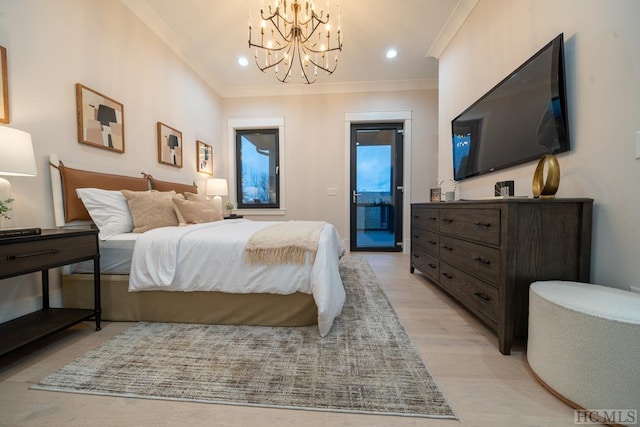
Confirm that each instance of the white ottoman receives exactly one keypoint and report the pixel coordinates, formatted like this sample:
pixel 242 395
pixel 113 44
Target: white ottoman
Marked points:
pixel 584 343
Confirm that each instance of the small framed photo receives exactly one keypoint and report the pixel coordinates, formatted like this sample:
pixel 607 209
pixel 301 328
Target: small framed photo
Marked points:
pixel 205 157
pixel 169 145
pixel 100 120
pixel 4 87
pixel 435 194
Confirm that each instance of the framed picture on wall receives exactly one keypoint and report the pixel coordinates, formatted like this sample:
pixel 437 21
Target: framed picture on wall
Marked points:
pixel 169 145
pixel 205 157
pixel 100 120
pixel 4 93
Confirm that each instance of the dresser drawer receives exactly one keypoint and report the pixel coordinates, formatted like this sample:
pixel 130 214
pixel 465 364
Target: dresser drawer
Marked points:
pixel 481 225
pixel 426 218
pixel 481 261
pixel 46 253
pixel 427 240
pixel 471 292
pixel 424 262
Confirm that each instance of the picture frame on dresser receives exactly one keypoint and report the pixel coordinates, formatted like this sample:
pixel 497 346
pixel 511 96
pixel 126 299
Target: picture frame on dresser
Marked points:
pixel 169 145
pixel 435 195
pixel 4 84
pixel 100 120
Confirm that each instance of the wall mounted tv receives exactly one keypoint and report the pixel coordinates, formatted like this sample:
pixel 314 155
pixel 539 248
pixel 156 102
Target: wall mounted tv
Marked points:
pixel 522 118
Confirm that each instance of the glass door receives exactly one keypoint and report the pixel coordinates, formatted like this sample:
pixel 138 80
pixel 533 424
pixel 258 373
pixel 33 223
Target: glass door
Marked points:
pixel 376 187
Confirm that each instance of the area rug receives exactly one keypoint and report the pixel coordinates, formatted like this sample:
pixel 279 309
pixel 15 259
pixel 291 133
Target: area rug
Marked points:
pixel 367 364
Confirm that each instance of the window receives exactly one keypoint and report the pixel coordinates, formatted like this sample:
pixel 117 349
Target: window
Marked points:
pixel 257 168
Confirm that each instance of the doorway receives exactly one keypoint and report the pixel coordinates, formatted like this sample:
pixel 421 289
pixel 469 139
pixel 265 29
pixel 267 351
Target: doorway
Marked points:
pixel 376 187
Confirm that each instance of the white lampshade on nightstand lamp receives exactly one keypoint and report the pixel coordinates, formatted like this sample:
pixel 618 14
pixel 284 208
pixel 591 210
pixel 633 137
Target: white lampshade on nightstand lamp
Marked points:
pixel 217 187
pixel 16 157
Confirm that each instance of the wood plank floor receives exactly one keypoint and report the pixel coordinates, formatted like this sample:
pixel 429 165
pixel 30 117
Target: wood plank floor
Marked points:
pixel 484 387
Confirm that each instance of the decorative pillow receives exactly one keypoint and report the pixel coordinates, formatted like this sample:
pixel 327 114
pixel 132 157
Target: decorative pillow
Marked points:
pixel 151 209
pixel 198 198
pixel 192 212
pixel 108 209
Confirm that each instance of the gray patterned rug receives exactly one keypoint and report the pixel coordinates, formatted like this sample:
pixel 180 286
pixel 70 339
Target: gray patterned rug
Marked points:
pixel 367 364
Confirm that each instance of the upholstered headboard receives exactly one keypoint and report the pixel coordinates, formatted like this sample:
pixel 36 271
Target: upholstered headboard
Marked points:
pixel 67 205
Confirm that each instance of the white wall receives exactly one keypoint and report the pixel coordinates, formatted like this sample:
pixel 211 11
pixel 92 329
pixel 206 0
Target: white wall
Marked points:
pixel 315 145
pixel 51 45
pixel 603 81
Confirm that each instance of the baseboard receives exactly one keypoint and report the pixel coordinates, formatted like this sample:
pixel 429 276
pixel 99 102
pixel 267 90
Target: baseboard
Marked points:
pixel 16 308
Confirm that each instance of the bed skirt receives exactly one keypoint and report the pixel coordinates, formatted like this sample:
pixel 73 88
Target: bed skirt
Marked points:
pixel 118 304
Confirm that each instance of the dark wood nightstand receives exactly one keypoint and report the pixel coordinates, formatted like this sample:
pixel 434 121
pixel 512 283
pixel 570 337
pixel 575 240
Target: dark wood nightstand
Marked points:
pixel 52 248
pixel 233 216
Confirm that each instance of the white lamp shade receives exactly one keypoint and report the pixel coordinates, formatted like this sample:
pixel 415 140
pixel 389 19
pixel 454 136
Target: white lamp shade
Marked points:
pixel 217 187
pixel 16 153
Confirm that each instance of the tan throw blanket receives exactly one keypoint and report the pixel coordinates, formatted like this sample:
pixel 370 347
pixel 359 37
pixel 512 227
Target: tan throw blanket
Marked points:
pixel 285 243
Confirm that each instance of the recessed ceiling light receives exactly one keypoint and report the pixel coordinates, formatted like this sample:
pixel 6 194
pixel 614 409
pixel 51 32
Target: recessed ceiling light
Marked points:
pixel 243 61
pixel 392 53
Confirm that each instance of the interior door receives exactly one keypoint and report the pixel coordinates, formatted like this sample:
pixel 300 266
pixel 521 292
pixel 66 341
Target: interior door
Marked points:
pixel 376 187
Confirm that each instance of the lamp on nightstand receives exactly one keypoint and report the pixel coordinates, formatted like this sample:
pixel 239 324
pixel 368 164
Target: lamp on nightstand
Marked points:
pixel 217 187
pixel 16 158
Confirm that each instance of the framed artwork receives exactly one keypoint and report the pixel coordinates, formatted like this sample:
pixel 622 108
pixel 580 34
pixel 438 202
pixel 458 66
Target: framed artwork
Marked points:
pixel 100 120
pixel 4 94
pixel 435 194
pixel 169 145
pixel 205 157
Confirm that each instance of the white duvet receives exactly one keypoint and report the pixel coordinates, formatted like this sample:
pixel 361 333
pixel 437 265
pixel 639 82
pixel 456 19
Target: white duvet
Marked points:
pixel 210 257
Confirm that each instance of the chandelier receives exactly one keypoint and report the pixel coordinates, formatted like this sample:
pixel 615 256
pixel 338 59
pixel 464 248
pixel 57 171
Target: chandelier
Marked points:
pixel 296 34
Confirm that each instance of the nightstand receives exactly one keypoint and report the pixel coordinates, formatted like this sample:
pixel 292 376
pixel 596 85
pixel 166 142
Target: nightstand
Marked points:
pixel 40 252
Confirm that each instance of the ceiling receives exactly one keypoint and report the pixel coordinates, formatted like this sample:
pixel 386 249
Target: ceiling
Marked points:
pixel 210 36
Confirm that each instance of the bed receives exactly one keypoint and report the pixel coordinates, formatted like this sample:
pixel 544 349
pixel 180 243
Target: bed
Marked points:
pixel 211 283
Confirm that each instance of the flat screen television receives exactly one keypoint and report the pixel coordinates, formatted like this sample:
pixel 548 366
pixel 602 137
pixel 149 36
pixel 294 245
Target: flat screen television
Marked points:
pixel 522 118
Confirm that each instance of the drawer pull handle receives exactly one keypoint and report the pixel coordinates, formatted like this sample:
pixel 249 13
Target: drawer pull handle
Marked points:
pixel 433 218
pixel 447 275
pixel 433 242
pixel 482 260
pixel 482 296
pixel 432 265
pixel 416 216
pixel 416 256
pixel 482 224
pixel 416 236
pixel 445 247
pixel 447 220
pixel 47 252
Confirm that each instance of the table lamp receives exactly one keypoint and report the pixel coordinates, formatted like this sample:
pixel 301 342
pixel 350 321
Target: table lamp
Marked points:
pixel 16 157
pixel 217 187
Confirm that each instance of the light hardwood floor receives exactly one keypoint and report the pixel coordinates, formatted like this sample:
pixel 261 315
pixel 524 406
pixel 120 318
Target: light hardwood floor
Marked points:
pixel 484 387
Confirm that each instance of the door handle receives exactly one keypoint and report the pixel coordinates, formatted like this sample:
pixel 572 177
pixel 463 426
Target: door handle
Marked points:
pixel 355 195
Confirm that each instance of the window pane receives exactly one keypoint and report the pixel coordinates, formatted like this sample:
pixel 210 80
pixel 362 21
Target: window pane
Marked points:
pixel 257 169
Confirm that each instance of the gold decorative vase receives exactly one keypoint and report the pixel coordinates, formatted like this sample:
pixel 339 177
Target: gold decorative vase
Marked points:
pixel 546 188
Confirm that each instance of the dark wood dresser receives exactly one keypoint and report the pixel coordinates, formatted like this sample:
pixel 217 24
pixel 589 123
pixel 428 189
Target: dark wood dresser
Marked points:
pixel 41 252
pixel 486 253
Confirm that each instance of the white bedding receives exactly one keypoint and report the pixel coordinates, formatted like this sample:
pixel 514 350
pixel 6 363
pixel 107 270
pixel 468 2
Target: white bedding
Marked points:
pixel 115 255
pixel 210 257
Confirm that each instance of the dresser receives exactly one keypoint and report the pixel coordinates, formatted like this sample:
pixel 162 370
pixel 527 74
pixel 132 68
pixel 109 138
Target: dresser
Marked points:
pixel 39 253
pixel 486 253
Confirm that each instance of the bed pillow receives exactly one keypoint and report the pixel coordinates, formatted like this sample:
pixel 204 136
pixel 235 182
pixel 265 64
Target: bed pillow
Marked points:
pixel 151 209
pixel 108 209
pixel 193 212
pixel 198 198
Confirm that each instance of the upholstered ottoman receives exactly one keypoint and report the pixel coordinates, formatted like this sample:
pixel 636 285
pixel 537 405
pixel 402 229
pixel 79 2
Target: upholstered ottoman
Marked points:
pixel 584 343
